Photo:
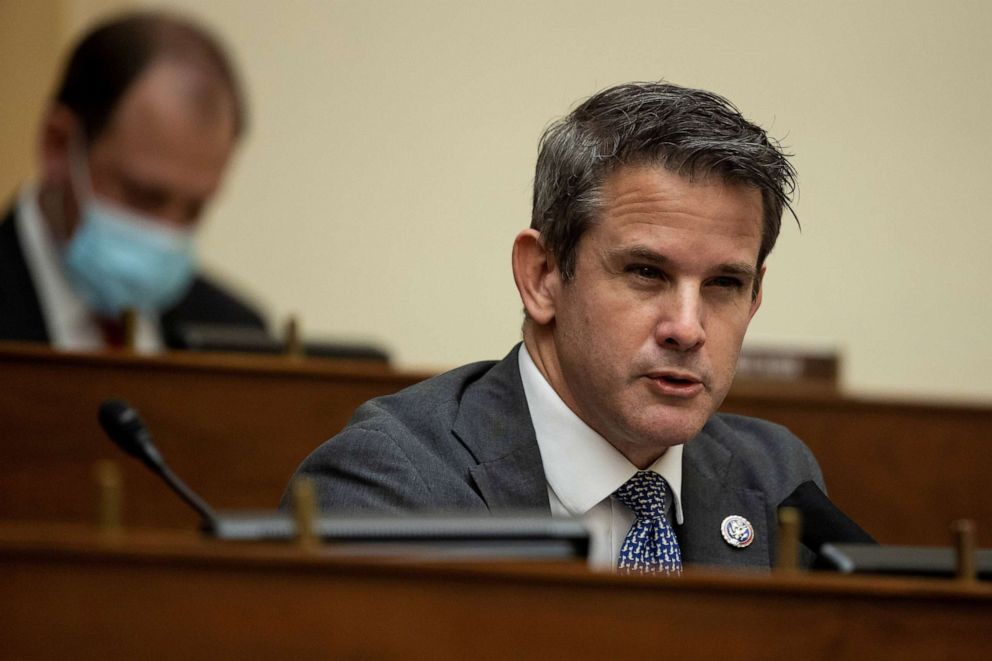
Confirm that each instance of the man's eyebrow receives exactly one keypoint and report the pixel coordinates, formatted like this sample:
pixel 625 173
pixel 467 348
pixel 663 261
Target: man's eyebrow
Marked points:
pixel 638 252
pixel 741 269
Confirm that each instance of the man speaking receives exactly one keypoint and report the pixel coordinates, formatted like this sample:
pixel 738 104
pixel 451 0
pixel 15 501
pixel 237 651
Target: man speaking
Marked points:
pixel 655 207
pixel 133 146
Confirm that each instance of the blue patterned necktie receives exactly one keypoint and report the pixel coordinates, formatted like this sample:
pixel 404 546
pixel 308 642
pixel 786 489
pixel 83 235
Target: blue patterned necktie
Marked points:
pixel 650 546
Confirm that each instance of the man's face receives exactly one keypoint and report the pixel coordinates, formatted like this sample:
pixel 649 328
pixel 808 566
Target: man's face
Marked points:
pixel 162 154
pixel 647 334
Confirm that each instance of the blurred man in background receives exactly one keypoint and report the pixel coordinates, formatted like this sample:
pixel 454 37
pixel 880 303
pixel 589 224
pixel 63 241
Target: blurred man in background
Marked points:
pixel 133 146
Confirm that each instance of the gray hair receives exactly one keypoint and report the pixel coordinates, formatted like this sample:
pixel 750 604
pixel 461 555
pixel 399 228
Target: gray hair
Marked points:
pixel 693 133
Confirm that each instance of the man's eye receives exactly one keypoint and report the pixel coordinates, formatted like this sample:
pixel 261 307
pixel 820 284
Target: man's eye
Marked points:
pixel 727 282
pixel 646 272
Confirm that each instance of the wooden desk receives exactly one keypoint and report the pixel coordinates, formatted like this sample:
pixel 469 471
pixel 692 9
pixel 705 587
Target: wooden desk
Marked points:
pixel 69 594
pixel 235 428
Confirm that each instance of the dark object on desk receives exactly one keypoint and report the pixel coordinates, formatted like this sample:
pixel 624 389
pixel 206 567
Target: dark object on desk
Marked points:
pixel 904 560
pixel 822 521
pixel 780 369
pixel 523 537
pixel 216 337
pixel 252 339
pixel 345 351
pixel 447 537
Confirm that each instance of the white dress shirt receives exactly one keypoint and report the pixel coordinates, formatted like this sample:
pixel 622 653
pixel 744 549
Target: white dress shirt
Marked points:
pixel 70 322
pixel 583 469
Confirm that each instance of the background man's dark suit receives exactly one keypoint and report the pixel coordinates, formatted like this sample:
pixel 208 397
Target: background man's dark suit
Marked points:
pixel 21 317
pixel 464 441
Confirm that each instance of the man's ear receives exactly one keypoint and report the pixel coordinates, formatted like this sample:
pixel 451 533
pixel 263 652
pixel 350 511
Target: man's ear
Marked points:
pixel 758 288
pixel 537 276
pixel 58 129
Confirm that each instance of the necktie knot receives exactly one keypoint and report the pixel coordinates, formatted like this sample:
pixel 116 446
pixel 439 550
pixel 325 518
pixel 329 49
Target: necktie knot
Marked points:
pixel 646 494
pixel 650 545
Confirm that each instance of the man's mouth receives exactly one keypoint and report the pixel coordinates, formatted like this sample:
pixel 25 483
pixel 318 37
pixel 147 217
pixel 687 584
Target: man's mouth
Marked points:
pixel 677 383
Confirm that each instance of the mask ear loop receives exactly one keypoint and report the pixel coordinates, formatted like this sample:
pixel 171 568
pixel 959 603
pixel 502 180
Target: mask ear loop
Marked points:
pixel 80 187
pixel 79 169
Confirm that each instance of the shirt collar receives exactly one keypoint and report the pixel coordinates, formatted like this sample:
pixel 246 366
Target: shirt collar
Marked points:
pixel 581 467
pixel 68 320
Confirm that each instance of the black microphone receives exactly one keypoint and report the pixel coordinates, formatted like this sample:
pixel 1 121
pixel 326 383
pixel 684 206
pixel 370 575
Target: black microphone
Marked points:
pixel 126 428
pixel 823 523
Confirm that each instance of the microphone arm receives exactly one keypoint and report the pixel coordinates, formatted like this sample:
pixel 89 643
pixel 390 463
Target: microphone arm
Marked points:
pixel 125 427
pixel 191 497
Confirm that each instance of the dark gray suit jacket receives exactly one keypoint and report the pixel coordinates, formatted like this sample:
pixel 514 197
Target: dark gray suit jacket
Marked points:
pixel 463 441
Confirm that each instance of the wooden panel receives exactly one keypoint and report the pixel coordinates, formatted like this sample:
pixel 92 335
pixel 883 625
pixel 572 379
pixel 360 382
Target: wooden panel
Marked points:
pixel 166 598
pixel 235 428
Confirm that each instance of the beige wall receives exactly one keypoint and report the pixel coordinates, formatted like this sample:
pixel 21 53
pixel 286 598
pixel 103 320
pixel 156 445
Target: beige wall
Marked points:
pixel 30 42
pixel 392 143
pixel 34 36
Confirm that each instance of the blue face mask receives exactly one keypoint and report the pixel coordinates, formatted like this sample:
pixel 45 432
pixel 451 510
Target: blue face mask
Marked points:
pixel 118 259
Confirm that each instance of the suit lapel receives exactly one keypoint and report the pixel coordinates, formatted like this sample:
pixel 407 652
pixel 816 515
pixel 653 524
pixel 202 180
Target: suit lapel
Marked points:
pixel 493 422
pixel 709 495
pixel 511 485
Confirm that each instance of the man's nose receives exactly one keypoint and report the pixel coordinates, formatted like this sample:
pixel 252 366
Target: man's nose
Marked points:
pixel 680 326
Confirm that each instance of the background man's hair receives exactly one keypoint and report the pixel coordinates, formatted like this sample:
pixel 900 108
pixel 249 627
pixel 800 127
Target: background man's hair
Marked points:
pixel 690 132
pixel 111 57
